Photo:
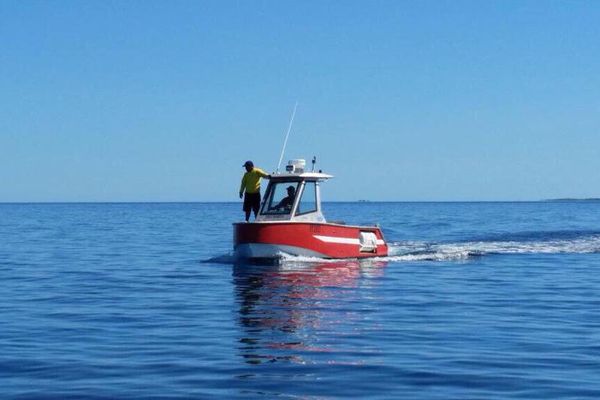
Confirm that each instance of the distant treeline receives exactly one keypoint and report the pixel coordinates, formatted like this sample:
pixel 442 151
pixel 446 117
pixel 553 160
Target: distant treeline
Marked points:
pixel 593 199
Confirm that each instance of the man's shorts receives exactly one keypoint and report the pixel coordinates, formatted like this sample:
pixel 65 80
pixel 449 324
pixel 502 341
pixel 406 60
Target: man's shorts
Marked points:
pixel 252 202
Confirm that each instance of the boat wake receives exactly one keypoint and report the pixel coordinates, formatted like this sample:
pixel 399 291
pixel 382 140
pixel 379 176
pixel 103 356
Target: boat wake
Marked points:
pixel 561 242
pixel 228 258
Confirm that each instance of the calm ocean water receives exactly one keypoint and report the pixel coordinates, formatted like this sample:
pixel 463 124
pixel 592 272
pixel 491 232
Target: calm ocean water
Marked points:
pixel 477 301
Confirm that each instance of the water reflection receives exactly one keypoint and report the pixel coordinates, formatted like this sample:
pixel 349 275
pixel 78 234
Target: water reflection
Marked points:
pixel 292 310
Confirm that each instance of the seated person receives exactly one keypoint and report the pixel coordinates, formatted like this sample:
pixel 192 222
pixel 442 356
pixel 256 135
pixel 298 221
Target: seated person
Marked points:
pixel 287 202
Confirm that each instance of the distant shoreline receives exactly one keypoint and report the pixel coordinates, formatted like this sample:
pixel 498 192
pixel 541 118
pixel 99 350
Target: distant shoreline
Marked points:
pixel 569 200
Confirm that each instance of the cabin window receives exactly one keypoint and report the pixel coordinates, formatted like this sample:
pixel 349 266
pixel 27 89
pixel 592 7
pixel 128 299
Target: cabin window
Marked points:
pixel 280 198
pixel 308 201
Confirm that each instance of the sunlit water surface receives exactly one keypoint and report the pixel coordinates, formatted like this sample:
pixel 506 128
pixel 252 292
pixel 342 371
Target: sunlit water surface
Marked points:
pixel 477 300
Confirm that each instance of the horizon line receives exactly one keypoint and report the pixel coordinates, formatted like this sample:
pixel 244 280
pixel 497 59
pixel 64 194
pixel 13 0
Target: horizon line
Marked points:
pixel 593 199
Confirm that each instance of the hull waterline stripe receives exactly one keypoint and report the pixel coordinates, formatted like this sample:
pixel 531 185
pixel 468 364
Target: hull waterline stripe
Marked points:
pixel 263 250
pixel 342 240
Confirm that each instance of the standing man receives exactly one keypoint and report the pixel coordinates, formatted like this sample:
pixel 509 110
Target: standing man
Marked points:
pixel 251 185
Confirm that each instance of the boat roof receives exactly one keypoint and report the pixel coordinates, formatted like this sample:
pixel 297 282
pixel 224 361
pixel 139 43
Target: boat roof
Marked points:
pixel 310 176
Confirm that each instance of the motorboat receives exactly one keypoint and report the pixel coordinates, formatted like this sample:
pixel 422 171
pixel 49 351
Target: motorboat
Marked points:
pixel 291 222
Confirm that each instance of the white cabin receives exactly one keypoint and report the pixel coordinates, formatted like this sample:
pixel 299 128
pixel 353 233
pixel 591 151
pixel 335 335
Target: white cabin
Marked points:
pixel 293 196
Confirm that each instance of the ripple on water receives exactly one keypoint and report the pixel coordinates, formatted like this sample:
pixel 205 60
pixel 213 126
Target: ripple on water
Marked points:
pixel 494 301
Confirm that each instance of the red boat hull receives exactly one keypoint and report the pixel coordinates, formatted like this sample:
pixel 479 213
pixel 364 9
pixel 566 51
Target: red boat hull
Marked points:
pixel 270 239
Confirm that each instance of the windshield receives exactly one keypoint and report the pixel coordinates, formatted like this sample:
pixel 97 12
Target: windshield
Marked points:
pixel 308 201
pixel 280 198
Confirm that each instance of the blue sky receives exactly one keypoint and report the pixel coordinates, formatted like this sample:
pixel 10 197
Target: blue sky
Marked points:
pixel 422 100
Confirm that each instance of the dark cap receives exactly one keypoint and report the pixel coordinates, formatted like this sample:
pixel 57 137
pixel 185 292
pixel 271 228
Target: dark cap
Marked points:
pixel 248 164
pixel 293 189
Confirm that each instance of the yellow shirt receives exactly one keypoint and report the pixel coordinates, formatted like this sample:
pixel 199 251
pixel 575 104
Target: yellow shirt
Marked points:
pixel 251 180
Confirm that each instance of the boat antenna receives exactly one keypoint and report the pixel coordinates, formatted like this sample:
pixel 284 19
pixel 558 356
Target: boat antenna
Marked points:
pixel 287 135
pixel 314 161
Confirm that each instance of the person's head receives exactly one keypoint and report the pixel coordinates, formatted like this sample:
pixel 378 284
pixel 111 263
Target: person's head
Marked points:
pixel 291 190
pixel 249 165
